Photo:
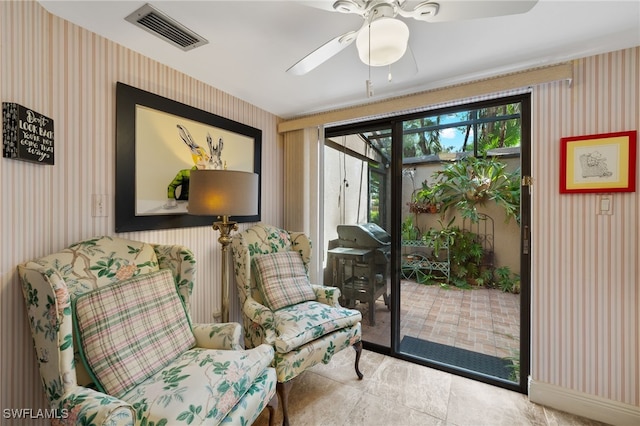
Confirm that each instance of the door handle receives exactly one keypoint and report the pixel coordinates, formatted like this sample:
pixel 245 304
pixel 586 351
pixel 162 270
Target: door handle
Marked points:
pixel 525 240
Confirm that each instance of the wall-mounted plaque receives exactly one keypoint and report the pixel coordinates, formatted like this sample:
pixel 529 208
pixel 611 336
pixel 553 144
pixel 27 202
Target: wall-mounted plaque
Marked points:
pixel 26 134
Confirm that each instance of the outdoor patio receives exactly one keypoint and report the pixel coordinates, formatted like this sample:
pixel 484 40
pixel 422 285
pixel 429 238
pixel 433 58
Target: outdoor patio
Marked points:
pixel 480 320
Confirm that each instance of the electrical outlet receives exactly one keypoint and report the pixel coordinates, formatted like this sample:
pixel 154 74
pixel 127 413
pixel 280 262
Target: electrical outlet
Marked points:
pixel 99 205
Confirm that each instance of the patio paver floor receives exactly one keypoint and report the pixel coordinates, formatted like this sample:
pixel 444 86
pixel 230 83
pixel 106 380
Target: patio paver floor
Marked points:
pixel 481 320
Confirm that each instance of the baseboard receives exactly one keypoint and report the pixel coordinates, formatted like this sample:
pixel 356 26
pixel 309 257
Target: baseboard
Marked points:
pixel 584 405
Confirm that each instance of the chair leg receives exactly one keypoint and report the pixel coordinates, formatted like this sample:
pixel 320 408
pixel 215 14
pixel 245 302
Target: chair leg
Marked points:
pixel 283 391
pixel 358 348
pixel 272 406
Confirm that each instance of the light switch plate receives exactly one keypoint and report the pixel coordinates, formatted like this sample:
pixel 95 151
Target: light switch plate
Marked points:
pixel 99 205
pixel 605 204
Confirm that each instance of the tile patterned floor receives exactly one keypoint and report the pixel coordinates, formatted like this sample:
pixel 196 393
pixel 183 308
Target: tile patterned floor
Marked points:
pixel 400 393
pixel 481 320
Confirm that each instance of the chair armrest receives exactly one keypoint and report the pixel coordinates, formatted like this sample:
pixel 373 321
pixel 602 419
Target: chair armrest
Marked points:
pixel 218 336
pixel 87 406
pixel 49 310
pixel 327 294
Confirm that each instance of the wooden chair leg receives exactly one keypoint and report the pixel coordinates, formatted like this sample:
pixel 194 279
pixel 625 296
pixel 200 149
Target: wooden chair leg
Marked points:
pixel 272 406
pixel 358 348
pixel 283 391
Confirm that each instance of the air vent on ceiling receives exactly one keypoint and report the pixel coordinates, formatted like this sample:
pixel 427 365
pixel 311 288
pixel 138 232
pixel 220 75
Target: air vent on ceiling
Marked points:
pixel 158 23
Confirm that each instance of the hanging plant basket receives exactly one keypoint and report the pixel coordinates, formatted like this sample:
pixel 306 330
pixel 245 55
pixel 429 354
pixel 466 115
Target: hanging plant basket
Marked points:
pixel 419 207
pixel 425 200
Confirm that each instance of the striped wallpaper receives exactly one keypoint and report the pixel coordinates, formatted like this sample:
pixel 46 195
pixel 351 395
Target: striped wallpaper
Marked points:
pixel 585 295
pixel 585 290
pixel 69 75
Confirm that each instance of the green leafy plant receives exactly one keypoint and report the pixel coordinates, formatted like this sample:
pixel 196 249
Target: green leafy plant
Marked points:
pixel 465 254
pixel 424 278
pixel 410 231
pixel 474 181
pixel 514 366
pixel 485 278
pixel 507 281
pixel 426 199
pixel 441 238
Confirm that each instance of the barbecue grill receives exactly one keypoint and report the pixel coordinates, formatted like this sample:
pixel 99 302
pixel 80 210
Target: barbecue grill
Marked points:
pixel 359 262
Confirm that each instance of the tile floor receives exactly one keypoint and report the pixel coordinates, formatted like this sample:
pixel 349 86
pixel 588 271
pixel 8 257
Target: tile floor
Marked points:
pixel 480 320
pixel 400 393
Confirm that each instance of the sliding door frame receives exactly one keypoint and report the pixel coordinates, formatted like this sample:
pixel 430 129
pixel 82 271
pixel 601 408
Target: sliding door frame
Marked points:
pixel 395 185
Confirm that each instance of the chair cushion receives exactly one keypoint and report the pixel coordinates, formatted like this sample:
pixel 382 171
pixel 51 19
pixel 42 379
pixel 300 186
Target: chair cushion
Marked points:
pixel 201 386
pixel 282 279
pixel 131 329
pixel 302 323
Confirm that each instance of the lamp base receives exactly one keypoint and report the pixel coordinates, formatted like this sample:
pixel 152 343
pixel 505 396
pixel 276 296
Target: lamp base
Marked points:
pixel 225 227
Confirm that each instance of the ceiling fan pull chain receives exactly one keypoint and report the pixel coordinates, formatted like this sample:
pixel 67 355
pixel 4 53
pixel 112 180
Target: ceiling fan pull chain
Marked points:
pixel 369 89
pixel 389 77
pixel 369 83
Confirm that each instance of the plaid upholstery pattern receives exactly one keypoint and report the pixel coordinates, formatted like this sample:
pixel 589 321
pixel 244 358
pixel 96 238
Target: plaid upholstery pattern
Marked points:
pixel 131 329
pixel 282 279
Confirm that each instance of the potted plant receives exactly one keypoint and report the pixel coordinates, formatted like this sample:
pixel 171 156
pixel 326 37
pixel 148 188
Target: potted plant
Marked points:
pixel 426 199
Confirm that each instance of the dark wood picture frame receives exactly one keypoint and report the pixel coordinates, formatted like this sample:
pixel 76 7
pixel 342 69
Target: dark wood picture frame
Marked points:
pixel 129 102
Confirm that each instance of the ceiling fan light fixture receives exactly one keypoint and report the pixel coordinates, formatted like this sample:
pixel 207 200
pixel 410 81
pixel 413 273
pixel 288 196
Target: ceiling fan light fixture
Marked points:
pixel 383 42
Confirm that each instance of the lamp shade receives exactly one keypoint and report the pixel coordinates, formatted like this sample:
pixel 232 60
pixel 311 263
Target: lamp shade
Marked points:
pixel 223 193
pixel 383 42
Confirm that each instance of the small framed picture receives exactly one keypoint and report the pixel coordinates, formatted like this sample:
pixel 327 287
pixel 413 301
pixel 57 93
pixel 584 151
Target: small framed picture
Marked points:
pixel 598 163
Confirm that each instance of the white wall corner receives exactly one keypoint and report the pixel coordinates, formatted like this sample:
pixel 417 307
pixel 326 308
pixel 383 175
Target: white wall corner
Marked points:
pixel 584 405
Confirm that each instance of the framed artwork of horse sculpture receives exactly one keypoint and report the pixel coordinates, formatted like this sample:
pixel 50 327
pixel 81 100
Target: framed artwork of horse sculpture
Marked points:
pixel 158 143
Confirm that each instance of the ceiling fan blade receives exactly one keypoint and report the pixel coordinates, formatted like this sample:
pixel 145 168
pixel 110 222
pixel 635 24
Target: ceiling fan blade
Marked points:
pixel 319 4
pixel 323 53
pixel 474 9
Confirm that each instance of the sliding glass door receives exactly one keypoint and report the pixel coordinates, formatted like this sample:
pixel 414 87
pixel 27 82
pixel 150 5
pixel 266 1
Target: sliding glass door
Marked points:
pixel 425 224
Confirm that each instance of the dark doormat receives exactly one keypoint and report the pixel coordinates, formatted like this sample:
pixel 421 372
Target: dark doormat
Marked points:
pixel 474 361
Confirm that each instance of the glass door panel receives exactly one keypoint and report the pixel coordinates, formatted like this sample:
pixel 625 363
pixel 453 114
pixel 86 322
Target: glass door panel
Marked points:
pixel 460 304
pixel 416 241
pixel 357 226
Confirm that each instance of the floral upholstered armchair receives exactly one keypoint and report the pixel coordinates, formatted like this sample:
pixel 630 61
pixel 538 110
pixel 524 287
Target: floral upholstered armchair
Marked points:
pixel 116 345
pixel 303 322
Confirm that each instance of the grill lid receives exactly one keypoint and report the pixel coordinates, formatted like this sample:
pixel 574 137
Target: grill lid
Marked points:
pixel 363 235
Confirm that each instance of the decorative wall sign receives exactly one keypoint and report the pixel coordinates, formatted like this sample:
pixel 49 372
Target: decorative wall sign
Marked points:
pixel 158 142
pixel 598 163
pixel 26 134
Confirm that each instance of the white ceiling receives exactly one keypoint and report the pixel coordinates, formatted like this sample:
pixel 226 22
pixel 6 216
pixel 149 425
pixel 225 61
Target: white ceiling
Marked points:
pixel 252 44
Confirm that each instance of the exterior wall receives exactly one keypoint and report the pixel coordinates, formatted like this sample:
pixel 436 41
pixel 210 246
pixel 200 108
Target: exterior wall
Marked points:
pixel 343 204
pixel 506 234
pixel 69 75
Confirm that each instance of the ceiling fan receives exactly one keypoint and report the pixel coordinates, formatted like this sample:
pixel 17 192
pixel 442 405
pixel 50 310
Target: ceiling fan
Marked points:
pixel 383 38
